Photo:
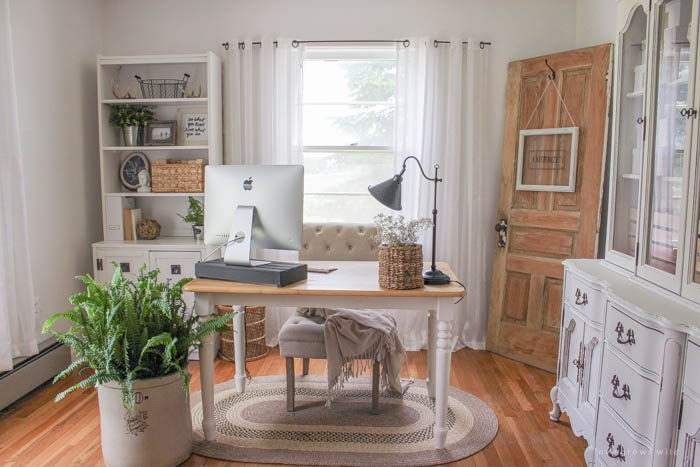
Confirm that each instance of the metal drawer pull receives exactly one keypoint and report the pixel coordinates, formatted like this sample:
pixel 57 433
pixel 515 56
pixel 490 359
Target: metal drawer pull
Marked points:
pixel 620 329
pixel 581 300
pixel 625 389
pixel 175 269
pixel 125 267
pixel 611 446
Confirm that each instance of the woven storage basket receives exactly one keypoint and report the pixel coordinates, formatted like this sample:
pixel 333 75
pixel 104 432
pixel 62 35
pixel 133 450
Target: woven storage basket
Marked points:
pixel 174 176
pixel 255 347
pixel 401 267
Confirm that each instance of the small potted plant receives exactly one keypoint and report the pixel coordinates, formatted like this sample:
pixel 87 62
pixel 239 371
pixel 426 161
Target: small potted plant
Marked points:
pixel 136 337
pixel 195 216
pixel 130 118
pixel 400 254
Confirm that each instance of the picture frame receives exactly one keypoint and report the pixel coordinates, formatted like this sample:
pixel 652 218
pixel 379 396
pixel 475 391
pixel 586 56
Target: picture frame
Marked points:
pixel 550 158
pixel 193 126
pixel 161 133
pixel 130 168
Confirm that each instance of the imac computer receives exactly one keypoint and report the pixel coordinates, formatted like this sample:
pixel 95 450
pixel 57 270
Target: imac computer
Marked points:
pixel 253 206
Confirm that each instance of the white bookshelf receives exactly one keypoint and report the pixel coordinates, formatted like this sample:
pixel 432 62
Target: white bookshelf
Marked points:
pixel 175 242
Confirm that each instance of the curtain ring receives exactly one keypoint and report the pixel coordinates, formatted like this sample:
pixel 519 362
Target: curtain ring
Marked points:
pixel 295 43
pixel 435 43
pixel 481 45
pixel 241 45
pixel 225 45
pixel 406 43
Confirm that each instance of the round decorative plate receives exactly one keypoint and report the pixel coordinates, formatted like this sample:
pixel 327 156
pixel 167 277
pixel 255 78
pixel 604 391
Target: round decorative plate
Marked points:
pixel 130 168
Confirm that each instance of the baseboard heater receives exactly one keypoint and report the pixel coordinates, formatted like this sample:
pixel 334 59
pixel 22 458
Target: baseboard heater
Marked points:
pixel 32 372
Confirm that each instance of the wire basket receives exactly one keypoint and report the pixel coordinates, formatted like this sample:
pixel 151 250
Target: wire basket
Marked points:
pixel 163 88
pixel 255 347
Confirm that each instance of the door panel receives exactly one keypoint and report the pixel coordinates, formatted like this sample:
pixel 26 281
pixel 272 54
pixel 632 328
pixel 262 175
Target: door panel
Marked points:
pixel 129 260
pixel 689 435
pixel 547 227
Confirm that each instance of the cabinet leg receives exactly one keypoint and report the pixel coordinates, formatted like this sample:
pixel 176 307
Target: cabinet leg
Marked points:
pixel 588 455
pixel 556 410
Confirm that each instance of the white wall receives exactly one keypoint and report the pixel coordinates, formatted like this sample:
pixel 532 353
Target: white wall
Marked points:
pixel 55 46
pixel 595 22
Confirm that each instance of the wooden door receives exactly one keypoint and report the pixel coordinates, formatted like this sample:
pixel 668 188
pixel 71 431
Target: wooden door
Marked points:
pixel 544 227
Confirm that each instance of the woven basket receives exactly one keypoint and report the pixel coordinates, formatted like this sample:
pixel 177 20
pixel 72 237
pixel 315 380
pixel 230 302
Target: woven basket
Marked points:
pixel 254 334
pixel 174 176
pixel 401 268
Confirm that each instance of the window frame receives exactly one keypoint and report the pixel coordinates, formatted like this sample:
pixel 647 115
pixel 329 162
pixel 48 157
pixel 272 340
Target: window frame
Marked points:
pixel 347 53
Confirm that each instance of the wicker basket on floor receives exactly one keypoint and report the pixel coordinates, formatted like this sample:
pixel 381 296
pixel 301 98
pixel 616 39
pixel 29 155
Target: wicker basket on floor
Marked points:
pixel 175 176
pixel 254 334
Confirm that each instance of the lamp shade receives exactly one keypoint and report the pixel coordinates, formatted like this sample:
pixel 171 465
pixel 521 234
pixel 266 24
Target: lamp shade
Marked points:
pixel 388 192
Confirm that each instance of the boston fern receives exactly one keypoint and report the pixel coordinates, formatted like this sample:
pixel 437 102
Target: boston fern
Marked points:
pixel 127 331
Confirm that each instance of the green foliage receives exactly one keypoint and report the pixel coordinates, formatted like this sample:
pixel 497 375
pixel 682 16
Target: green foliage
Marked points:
pixel 122 115
pixel 128 330
pixel 195 212
pixel 370 81
pixel 396 231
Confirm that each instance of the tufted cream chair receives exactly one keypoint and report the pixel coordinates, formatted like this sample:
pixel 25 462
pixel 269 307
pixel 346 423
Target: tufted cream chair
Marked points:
pixel 338 242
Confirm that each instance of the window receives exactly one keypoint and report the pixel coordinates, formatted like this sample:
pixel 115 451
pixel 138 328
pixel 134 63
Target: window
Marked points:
pixel 349 98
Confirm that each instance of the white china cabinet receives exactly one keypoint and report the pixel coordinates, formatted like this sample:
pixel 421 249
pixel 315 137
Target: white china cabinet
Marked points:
pixel 628 353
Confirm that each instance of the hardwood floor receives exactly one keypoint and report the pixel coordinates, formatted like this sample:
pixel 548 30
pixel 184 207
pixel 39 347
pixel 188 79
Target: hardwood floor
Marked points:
pixel 37 432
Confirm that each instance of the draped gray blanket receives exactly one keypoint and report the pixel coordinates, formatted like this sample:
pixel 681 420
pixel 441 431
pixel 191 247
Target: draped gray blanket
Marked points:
pixel 354 340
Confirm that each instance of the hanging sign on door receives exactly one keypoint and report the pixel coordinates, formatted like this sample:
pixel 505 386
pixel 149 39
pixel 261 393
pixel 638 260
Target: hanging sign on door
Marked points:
pixel 547 159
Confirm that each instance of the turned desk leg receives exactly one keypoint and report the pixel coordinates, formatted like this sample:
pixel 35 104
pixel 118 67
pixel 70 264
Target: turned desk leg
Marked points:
pixel 432 352
pixel 442 381
pixel 239 346
pixel 203 308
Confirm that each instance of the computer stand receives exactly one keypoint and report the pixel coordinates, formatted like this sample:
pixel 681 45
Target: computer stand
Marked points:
pixel 239 244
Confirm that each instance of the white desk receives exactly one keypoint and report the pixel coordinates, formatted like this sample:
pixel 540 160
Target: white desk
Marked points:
pixel 353 285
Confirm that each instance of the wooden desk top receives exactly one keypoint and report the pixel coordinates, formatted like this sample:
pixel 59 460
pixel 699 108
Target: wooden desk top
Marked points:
pixel 358 278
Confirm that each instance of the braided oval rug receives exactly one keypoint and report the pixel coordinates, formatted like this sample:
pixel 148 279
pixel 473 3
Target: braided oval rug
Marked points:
pixel 256 427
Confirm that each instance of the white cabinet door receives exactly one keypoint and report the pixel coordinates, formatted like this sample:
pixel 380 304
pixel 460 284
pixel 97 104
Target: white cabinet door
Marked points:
pixel 175 265
pixel 129 260
pixel 570 356
pixel 689 434
pixel 592 353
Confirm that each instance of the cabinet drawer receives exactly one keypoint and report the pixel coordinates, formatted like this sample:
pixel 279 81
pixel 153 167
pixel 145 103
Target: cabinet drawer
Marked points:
pixel 584 298
pixel 616 445
pixel 692 378
pixel 634 397
pixel 130 261
pixel 644 345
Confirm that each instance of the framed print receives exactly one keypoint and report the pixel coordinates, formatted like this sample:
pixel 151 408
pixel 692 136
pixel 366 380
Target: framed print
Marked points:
pixel 161 133
pixel 130 168
pixel 193 126
pixel 547 160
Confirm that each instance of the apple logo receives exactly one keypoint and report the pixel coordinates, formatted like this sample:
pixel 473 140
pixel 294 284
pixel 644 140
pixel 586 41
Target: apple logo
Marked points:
pixel 248 184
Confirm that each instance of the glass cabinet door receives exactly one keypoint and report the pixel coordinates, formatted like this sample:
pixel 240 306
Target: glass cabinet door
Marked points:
pixel 664 213
pixel 629 133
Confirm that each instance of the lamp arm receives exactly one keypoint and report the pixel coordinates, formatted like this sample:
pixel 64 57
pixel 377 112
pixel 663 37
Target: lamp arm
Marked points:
pixel 420 166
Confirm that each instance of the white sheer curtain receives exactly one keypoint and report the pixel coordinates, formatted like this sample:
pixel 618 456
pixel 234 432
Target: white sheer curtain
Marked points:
pixel 262 114
pixel 439 114
pixel 17 333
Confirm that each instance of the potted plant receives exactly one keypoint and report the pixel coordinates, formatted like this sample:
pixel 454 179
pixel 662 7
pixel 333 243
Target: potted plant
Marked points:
pixel 130 118
pixel 195 216
pixel 136 337
pixel 400 256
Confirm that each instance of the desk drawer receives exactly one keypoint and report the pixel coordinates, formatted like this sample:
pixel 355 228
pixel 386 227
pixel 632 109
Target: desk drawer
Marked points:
pixel 642 344
pixel 616 445
pixel 634 397
pixel 584 297
pixel 692 377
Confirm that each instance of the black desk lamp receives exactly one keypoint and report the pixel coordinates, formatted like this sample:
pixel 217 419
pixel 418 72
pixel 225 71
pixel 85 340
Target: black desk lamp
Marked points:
pixel 388 193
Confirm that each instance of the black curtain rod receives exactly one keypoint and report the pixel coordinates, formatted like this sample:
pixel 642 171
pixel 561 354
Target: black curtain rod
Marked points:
pixel 405 42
